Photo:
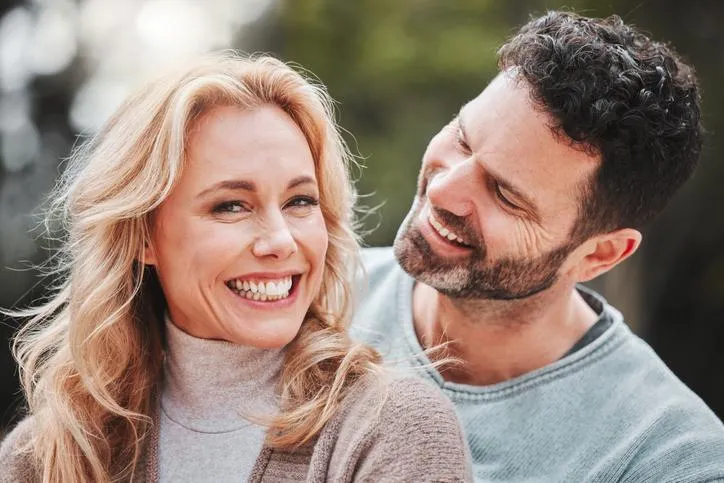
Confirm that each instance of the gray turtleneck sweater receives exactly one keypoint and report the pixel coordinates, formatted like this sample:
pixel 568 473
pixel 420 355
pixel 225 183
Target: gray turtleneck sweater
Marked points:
pixel 209 387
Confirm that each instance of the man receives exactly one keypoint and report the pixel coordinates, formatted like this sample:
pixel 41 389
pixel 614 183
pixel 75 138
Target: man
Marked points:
pixel 542 182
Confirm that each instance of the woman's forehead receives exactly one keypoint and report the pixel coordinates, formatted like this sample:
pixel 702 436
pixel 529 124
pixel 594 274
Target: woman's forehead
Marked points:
pixel 250 149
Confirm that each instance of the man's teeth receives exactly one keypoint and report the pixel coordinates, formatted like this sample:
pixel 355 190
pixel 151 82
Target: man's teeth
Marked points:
pixel 261 290
pixel 444 232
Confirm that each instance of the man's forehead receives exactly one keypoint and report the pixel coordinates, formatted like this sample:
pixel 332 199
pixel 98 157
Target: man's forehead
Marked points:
pixel 505 99
pixel 505 113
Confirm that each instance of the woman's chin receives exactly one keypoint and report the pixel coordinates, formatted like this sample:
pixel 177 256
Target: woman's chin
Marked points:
pixel 272 343
pixel 269 338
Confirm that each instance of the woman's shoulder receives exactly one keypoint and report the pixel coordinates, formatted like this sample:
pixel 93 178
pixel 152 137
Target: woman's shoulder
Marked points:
pixel 410 404
pixel 398 393
pixel 399 426
pixel 16 458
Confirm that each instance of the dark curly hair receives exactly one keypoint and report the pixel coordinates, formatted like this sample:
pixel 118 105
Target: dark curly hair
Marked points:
pixel 616 93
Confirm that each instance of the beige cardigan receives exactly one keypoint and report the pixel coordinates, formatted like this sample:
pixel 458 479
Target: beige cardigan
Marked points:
pixel 413 436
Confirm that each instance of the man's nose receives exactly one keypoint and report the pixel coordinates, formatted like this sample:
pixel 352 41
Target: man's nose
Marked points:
pixel 453 187
pixel 275 240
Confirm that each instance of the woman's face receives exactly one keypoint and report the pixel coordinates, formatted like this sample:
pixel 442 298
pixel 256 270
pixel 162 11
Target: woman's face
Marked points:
pixel 240 243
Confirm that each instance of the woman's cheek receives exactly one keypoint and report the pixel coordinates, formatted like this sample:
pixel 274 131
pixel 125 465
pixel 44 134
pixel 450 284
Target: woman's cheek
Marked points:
pixel 217 236
pixel 311 233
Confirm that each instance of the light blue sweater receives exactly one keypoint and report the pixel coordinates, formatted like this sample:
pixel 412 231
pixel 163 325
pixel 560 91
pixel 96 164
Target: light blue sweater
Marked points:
pixel 612 411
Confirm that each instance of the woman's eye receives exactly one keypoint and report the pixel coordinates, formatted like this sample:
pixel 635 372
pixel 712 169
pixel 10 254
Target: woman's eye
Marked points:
pixel 230 207
pixel 302 202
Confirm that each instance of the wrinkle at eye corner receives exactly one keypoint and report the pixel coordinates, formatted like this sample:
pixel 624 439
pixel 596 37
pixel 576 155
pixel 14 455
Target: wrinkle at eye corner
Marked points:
pixel 534 238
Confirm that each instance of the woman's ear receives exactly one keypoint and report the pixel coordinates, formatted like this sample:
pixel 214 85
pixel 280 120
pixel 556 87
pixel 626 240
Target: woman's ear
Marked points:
pixel 149 254
pixel 606 251
pixel 150 258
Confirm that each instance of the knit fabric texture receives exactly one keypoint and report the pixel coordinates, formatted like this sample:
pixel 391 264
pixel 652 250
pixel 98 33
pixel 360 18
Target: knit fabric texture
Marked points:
pixel 389 429
pixel 209 386
pixel 611 411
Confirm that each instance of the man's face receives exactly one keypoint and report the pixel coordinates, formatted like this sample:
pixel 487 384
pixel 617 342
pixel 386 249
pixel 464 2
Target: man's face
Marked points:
pixel 498 196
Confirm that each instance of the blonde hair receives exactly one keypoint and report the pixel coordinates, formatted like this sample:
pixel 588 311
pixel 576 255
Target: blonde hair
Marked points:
pixel 91 356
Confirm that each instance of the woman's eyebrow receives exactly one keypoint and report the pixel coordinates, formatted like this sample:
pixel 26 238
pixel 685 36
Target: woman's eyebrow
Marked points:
pixel 230 184
pixel 245 185
pixel 300 180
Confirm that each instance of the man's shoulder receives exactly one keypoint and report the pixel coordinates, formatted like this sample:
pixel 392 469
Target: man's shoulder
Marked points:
pixel 677 435
pixel 377 282
pixel 612 411
pixel 653 422
pixel 679 440
pixel 627 381
pixel 690 437
pixel 639 373
pixel 380 299
pixel 378 261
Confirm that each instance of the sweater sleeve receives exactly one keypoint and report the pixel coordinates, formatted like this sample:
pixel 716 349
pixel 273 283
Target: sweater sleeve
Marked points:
pixel 16 461
pixel 416 437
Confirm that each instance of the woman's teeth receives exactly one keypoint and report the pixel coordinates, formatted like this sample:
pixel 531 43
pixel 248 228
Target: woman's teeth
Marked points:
pixel 269 290
pixel 444 231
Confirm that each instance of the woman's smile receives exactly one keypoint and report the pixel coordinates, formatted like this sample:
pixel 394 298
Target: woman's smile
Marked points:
pixel 266 290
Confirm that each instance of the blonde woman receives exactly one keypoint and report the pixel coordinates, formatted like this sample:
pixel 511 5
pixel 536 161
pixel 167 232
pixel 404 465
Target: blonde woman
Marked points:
pixel 199 333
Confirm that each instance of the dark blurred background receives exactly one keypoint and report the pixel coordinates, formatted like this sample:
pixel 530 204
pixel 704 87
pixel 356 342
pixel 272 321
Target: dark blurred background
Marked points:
pixel 399 69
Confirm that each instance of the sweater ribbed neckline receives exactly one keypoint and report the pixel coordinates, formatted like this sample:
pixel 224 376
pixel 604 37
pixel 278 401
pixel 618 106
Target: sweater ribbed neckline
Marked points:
pixel 209 386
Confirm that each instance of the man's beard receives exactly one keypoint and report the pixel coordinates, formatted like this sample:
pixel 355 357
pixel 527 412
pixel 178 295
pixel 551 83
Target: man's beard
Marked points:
pixel 474 277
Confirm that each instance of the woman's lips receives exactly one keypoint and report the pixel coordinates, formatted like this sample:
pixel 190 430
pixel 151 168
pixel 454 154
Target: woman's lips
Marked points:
pixel 272 293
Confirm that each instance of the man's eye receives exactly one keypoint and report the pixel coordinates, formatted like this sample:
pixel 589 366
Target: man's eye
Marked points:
pixel 503 199
pixel 461 142
pixel 230 207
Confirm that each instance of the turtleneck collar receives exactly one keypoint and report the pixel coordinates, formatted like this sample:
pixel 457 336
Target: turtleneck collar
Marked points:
pixel 211 385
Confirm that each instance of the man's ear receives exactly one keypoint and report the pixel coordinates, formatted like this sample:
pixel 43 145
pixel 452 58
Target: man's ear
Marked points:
pixel 606 251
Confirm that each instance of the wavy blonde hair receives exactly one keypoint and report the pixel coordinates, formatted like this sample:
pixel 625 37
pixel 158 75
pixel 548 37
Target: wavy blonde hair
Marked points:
pixel 91 356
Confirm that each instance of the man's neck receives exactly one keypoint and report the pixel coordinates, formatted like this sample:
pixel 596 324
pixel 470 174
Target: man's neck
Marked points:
pixel 499 340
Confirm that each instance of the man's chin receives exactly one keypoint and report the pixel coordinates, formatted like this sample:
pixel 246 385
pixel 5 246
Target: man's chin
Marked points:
pixel 422 264
pixel 409 253
pixel 455 280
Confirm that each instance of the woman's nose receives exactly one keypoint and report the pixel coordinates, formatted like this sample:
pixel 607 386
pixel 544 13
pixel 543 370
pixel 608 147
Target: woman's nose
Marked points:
pixel 275 241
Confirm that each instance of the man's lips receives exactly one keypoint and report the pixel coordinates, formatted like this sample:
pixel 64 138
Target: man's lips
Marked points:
pixel 445 232
pixel 441 245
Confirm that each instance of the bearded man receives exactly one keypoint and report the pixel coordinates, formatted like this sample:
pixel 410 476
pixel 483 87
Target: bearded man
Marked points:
pixel 541 182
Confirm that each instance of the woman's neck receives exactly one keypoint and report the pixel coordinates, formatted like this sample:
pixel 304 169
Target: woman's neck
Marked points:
pixel 211 385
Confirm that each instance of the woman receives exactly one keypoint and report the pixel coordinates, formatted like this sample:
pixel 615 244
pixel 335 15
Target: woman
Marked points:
pixel 199 333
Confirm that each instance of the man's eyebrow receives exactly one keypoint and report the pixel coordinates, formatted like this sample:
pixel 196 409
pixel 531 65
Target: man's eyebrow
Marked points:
pixel 461 127
pixel 245 185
